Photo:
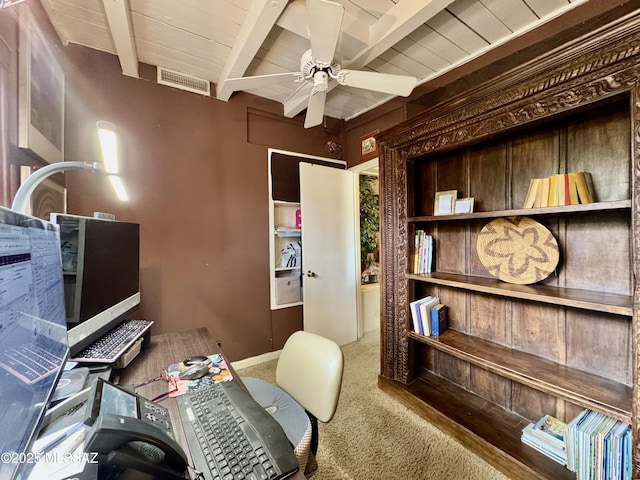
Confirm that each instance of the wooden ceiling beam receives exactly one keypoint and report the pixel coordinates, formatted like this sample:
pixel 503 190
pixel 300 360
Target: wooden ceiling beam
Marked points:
pixel 119 20
pixel 260 20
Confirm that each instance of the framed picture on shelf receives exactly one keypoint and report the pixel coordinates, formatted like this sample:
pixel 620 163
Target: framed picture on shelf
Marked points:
pixel 463 205
pixel 445 202
pixel 41 94
pixel 368 146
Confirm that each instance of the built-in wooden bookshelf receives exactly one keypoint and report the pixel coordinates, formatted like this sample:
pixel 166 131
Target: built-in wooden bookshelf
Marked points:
pixel 516 352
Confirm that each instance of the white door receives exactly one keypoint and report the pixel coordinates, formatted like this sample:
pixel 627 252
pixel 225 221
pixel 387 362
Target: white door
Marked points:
pixel 330 286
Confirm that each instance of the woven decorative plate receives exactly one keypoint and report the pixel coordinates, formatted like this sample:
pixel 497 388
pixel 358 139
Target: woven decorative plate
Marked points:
pixel 517 250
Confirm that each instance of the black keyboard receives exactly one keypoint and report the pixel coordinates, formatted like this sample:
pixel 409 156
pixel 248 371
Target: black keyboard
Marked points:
pixel 109 347
pixel 231 437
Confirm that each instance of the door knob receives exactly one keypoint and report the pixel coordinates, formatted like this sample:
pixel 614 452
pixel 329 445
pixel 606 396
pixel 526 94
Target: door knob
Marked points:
pixel 310 273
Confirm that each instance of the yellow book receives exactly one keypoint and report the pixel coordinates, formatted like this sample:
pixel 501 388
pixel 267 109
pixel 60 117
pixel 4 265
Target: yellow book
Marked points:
pixel 573 188
pixel 530 199
pixel 543 200
pixel 584 192
pixel 589 181
pixel 560 189
pixel 553 191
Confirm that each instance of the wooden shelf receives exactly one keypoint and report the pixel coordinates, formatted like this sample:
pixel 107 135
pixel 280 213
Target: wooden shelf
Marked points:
pixel 528 212
pixel 567 297
pixel 286 269
pixel 581 388
pixel 481 426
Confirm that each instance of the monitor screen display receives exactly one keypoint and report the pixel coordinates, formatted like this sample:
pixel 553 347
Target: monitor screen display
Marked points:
pixel 101 265
pixel 33 334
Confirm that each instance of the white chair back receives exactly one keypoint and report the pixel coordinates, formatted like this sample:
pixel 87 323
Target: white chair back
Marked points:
pixel 310 370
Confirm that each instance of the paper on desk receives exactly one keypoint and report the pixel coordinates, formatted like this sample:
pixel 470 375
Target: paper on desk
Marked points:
pixel 218 372
pixel 65 459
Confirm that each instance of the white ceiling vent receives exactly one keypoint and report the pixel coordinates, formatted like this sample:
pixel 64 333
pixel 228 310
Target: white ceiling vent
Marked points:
pixel 183 81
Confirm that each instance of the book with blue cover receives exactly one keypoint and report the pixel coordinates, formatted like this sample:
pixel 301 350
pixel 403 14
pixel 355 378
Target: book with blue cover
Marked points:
pixel 438 319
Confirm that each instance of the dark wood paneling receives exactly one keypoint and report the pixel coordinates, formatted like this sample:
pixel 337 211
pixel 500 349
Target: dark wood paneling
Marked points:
pixel 490 386
pixel 456 301
pixel 422 175
pixel 530 403
pixel 600 345
pixel 453 369
pixel 538 329
pixel 534 155
pixel 600 144
pixel 488 174
pixel 604 253
pixel 450 249
pixel 488 318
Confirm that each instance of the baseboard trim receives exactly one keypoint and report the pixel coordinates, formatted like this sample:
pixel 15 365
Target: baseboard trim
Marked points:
pixel 257 360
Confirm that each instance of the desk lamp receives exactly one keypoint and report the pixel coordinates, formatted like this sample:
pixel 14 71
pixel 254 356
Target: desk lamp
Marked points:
pixel 109 148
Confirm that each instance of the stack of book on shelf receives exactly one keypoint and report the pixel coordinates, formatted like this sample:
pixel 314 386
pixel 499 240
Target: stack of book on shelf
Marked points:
pixel 429 316
pixel 549 436
pixel 422 252
pixel 599 447
pixel 562 189
pixel 593 445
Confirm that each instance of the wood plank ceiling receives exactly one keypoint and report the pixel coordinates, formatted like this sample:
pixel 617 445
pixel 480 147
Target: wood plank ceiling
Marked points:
pixel 219 39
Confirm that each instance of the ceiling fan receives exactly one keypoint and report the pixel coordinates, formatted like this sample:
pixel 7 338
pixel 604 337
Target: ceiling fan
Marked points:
pixel 318 65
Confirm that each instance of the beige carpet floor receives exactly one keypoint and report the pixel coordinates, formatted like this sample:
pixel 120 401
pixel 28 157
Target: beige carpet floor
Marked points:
pixel 373 436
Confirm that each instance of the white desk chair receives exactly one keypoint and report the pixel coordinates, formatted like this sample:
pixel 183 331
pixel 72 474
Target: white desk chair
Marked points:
pixel 309 374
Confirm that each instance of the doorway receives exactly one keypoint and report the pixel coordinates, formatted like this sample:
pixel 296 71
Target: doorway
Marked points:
pixel 366 185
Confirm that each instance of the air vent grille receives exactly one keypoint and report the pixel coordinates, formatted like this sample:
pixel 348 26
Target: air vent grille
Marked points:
pixel 183 81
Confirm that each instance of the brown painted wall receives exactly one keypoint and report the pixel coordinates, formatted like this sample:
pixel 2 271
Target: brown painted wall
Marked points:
pixel 196 172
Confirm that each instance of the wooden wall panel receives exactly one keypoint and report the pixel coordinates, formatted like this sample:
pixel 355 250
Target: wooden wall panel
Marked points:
pixel 476 268
pixel 603 253
pixel 533 155
pixel 490 386
pixel 454 369
pixel 599 345
pixel 530 403
pixel 423 179
pixel 538 329
pixel 451 246
pixel 489 319
pixel 453 174
pixel 456 301
pixel 600 145
pixel 487 178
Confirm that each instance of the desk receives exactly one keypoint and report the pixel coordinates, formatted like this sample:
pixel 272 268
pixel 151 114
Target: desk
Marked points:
pixel 164 350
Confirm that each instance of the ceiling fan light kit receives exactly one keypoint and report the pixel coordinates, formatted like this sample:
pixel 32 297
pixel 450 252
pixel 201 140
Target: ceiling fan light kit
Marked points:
pixel 319 67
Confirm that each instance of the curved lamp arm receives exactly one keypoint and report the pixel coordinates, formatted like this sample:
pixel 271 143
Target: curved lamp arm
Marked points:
pixel 21 200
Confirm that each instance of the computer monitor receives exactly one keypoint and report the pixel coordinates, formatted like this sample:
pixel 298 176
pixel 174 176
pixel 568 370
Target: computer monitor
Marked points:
pixel 101 264
pixel 33 333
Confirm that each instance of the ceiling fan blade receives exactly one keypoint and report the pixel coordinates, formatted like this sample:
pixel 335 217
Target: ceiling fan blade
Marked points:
pixel 325 21
pixel 379 82
pixel 247 83
pixel 315 109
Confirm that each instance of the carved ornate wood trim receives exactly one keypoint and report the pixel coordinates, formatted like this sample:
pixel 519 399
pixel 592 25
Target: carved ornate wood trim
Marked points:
pixel 594 68
pixel 635 188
